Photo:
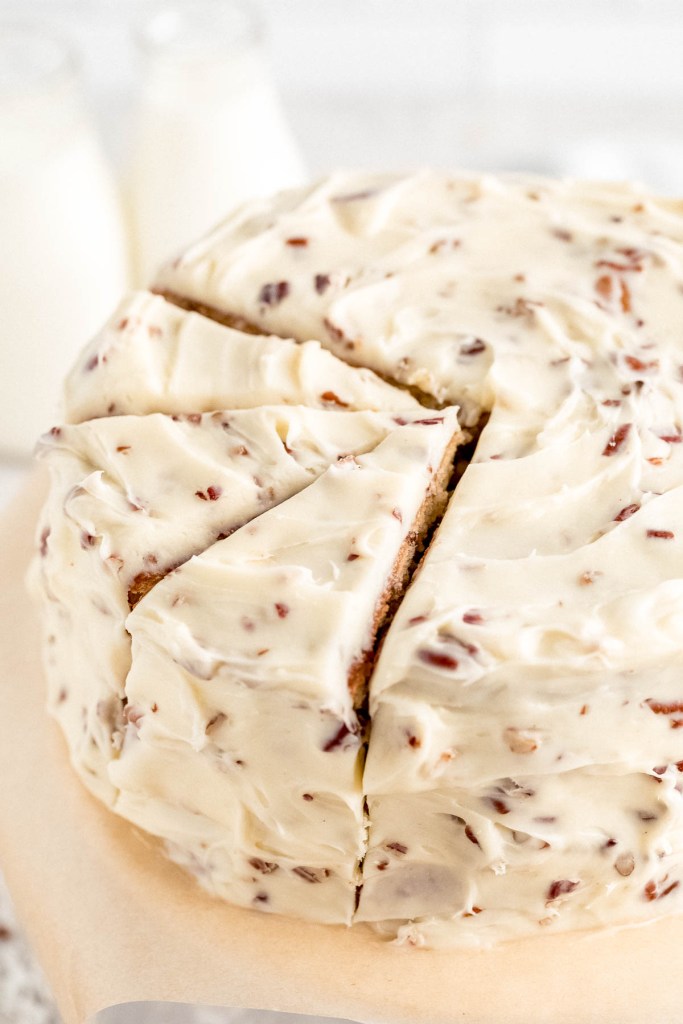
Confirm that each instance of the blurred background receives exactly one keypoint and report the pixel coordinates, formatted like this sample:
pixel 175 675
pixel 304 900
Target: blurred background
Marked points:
pixel 128 127
pixel 588 86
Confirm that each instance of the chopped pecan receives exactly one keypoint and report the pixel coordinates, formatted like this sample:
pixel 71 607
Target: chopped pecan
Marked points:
pixel 617 439
pixel 274 292
pixel 266 867
pixel 562 887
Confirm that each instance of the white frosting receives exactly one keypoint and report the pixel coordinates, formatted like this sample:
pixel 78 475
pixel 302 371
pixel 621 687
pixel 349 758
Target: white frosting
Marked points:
pixel 134 496
pixel 152 356
pixel 526 856
pixel 546 668
pixel 404 274
pixel 244 745
pixel 525 762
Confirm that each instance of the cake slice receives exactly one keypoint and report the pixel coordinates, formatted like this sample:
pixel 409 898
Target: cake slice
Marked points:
pixel 134 496
pixel 247 691
pixel 152 356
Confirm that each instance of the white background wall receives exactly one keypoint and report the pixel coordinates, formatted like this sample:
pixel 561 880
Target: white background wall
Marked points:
pixel 590 86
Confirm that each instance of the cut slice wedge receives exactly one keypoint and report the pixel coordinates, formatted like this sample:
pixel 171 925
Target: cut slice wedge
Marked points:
pixel 134 496
pixel 152 356
pixel 246 703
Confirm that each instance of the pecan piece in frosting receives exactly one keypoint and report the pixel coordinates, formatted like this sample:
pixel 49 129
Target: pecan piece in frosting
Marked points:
pixel 561 887
pixel 337 741
pixel 521 741
pixel 274 292
pixel 330 398
pixel 626 512
pixel 438 659
pixel 617 439
pixel 625 864
pixel 657 891
pixel 397 847
pixel 312 875
pixel 266 867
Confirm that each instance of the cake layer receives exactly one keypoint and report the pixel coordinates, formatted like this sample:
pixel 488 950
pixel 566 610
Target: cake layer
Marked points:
pixel 245 743
pixel 152 356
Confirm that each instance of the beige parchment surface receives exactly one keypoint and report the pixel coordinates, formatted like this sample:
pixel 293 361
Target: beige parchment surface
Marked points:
pixel 113 922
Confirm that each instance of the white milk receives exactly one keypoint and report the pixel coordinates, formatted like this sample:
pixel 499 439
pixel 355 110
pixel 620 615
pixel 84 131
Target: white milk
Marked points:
pixel 210 131
pixel 62 252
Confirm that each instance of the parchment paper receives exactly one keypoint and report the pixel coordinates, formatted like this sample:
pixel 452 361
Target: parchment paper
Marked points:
pixel 112 921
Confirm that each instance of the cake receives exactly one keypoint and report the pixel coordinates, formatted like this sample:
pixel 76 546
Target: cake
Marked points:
pixel 343 671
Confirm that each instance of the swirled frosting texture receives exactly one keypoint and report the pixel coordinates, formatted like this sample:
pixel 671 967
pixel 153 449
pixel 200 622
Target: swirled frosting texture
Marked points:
pixel 524 765
pixel 132 497
pixel 152 356
pixel 524 771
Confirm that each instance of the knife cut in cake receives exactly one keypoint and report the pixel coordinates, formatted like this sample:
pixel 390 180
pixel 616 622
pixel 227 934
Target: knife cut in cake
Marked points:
pixel 503 755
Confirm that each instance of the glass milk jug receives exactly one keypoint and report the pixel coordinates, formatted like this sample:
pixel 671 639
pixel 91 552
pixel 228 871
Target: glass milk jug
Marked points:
pixel 63 252
pixel 209 131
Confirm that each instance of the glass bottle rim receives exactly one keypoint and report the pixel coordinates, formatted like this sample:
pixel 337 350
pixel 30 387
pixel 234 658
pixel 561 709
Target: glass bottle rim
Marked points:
pixel 186 27
pixel 33 60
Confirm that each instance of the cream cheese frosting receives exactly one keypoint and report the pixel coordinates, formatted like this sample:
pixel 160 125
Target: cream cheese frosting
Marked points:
pixel 244 747
pixel 539 710
pixel 432 279
pixel 524 770
pixel 134 496
pixel 152 356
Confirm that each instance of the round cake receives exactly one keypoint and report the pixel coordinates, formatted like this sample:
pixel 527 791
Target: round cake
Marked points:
pixel 361 571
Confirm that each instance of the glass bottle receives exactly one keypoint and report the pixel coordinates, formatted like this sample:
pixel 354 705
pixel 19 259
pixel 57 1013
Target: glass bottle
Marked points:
pixel 209 131
pixel 63 258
